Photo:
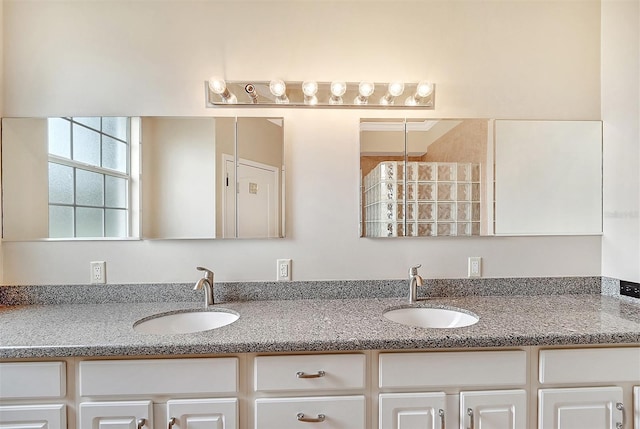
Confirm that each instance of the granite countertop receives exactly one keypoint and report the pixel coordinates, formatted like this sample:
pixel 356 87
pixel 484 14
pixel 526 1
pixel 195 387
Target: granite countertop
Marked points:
pixel 35 331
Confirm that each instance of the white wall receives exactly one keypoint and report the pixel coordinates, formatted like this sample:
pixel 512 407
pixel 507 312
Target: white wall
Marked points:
pixel 525 59
pixel 1 115
pixel 621 138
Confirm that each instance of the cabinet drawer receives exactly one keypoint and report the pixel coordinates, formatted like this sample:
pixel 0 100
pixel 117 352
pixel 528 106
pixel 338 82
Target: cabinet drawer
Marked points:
pixel 159 377
pixel 600 365
pixel 310 372
pixel 431 369
pixel 53 416
pixel 340 412
pixel 32 380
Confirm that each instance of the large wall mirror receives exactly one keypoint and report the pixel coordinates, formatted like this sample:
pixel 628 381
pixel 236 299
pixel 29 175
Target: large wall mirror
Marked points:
pixel 449 177
pixel 142 177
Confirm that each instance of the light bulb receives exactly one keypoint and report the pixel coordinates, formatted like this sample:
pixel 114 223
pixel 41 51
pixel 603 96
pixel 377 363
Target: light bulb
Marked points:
pixel 366 88
pixel 411 101
pixel 277 87
pixel 310 88
pixel 423 89
pixel 396 88
pixel 217 85
pixel 338 88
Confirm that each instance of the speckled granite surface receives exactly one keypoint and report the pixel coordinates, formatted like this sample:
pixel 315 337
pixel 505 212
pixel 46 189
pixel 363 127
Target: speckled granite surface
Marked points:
pixel 316 325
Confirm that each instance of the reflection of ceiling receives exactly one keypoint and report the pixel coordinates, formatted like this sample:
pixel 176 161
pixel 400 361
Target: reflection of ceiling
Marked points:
pixel 387 138
pixel 277 121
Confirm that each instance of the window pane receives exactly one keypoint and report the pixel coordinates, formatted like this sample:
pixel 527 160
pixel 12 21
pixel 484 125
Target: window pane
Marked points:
pixel 86 145
pixel 89 222
pixel 116 127
pixel 60 184
pixel 115 223
pixel 60 222
pixel 89 188
pixel 59 137
pixel 114 154
pixel 115 192
pixel 93 122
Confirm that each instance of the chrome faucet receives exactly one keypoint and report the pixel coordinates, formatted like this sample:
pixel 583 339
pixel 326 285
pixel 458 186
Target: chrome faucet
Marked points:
pixel 414 281
pixel 206 283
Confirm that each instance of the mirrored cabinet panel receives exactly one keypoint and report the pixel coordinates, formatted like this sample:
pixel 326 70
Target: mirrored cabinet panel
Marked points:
pixel 148 177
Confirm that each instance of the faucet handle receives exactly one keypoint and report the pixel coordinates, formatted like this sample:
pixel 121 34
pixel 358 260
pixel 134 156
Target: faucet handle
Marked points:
pixel 207 272
pixel 413 271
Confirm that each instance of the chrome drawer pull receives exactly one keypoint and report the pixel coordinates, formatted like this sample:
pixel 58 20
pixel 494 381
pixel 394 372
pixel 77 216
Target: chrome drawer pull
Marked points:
pixel 441 414
pixel 141 423
pixel 172 421
pixel 318 374
pixel 620 407
pixel 470 414
pixel 302 418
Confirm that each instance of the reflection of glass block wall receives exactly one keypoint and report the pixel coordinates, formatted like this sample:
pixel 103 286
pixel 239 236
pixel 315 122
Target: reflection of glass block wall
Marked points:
pixel 431 199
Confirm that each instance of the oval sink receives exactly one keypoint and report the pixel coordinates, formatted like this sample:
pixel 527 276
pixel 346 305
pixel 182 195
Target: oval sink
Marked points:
pixel 185 322
pixel 428 317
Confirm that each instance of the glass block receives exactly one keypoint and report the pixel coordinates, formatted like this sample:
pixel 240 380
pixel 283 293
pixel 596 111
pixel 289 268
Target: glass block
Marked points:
pixel 412 230
pixel 114 154
pixel 391 212
pixel 475 172
pixel 59 137
pixel 446 191
pixel 464 192
pixel 91 122
pixel 411 211
pixel 60 222
pixel 89 222
pixel 89 188
pixel 412 171
pixel 426 191
pixel 446 172
pixel 475 192
pixel 115 223
pixel 426 229
pixel 464 211
pixel 464 172
pixel 463 228
pixel 446 229
pixel 115 126
pixel 475 228
pixel 426 171
pixel 400 211
pixel 399 231
pixel 446 211
pixel 60 184
pixel 426 211
pixel 475 212
pixel 115 192
pixel 86 145
pixel 411 191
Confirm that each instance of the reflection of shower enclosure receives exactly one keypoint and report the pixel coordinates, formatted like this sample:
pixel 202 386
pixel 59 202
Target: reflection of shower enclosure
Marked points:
pixel 432 199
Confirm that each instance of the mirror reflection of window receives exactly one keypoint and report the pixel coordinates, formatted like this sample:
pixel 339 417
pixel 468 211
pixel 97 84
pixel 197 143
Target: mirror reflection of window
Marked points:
pixel 89 181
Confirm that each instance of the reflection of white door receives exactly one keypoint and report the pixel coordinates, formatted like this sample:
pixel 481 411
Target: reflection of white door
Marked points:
pixel 257 200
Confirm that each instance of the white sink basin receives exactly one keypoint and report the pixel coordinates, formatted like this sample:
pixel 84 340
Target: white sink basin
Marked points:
pixel 185 322
pixel 428 317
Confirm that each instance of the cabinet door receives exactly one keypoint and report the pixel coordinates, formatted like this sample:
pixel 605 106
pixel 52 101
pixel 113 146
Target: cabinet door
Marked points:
pixel 33 417
pixel 636 406
pixel 584 408
pixel 202 413
pixel 328 412
pixel 497 409
pixel 412 410
pixel 116 415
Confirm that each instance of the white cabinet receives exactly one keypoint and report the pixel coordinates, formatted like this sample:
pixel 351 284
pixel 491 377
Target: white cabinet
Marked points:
pixel 584 408
pixel 332 412
pixel 636 407
pixel 116 415
pixel 498 409
pixel 35 382
pixel 412 410
pixel 202 413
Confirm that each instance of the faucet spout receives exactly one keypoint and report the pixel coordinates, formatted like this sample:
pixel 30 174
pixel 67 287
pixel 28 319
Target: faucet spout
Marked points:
pixel 414 281
pixel 206 283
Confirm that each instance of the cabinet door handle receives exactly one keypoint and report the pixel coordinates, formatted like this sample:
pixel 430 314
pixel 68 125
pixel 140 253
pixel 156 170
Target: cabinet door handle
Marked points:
pixel 301 374
pixel 141 423
pixel 620 407
pixel 470 414
pixel 441 414
pixel 302 418
pixel 172 421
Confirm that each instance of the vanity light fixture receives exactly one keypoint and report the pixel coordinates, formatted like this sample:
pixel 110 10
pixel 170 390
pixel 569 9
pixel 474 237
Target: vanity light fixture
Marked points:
pixel 313 94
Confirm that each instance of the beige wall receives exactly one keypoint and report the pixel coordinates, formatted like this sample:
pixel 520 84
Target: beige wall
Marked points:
pixel 621 138
pixel 524 59
pixel 1 115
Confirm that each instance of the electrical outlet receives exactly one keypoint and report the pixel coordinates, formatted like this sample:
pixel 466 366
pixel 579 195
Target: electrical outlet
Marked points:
pixel 98 272
pixel 284 270
pixel 475 266
pixel 629 289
